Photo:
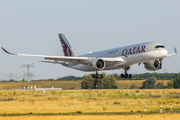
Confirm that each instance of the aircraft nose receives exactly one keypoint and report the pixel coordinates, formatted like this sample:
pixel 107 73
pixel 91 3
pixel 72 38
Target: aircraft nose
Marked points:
pixel 164 53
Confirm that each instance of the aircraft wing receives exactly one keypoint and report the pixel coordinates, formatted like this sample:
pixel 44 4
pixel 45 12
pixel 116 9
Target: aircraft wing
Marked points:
pixel 64 59
pixel 175 52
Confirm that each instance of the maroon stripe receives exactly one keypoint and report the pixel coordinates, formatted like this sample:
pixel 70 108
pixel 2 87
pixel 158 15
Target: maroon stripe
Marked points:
pixel 6 51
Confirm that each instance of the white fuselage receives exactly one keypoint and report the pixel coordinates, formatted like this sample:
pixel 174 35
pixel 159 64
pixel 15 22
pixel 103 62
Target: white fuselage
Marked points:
pixel 149 53
pixel 133 54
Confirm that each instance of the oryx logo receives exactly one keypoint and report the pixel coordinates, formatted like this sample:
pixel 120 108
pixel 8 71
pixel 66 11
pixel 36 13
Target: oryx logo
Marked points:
pixel 66 48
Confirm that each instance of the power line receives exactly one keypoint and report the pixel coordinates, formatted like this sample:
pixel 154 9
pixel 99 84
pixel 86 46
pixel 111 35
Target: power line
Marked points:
pixel 28 66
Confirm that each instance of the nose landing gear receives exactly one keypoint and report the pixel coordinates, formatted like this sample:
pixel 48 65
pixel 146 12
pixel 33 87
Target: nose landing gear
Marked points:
pixel 126 75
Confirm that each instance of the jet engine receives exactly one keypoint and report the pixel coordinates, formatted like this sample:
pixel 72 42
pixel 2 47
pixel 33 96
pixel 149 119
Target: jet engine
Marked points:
pixel 153 65
pixel 96 64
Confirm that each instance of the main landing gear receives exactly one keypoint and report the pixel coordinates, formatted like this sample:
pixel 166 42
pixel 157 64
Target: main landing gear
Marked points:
pixel 97 75
pixel 126 75
pixel 159 64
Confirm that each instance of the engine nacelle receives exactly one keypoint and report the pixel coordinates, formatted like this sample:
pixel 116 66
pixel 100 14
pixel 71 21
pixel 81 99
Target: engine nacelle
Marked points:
pixel 153 65
pixel 96 64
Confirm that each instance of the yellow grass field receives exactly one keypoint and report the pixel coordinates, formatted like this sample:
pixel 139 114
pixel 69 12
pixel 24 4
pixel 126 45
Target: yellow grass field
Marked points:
pixel 65 101
pixel 42 84
pixel 32 102
pixel 98 117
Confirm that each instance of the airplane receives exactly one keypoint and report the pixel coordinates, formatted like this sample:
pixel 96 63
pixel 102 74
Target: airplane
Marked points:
pixel 151 54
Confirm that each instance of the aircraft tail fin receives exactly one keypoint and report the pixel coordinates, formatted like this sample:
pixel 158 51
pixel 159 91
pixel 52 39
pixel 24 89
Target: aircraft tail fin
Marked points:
pixel 67 49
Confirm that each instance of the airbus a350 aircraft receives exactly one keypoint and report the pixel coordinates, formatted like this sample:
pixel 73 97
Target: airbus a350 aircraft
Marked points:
pixel 149 53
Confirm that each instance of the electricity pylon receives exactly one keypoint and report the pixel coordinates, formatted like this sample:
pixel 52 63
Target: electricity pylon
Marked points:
pixel 28 66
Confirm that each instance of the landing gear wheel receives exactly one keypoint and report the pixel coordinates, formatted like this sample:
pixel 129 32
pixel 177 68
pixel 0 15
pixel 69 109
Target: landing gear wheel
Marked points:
pixel 97 75
pixel 122 75
pixel 126 75
pixel 101 76
pixel 93 76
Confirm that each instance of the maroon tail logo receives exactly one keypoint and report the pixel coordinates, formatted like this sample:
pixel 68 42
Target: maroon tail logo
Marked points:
pixel 66 49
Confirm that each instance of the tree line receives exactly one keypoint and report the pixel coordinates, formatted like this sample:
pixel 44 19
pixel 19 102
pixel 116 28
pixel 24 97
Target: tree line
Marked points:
pixel 151 83
pixel 109 82
pixel 141 76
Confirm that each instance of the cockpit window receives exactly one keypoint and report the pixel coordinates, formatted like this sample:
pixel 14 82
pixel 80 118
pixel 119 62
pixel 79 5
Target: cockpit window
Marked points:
pixel 160 46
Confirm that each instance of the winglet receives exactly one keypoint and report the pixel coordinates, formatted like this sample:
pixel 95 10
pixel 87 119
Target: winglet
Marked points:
pixel 8 52
pixel 175 52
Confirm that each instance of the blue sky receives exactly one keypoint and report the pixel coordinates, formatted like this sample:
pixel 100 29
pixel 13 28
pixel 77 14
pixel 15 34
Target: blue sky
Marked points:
pixel 32 27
